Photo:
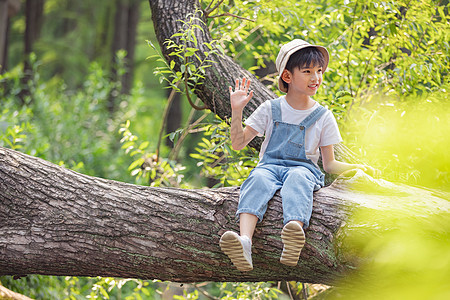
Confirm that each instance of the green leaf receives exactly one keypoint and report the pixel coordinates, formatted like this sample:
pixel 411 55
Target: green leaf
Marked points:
pixel 136 163
pixel 129 144
pixel 144 145
pixel 104 292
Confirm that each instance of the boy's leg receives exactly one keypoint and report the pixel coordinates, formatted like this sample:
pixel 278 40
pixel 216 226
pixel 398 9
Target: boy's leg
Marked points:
pixel 255 193
pixel 299 185
pixel 247 224
pixel 257 190
pixel 239 248
pixel 297 196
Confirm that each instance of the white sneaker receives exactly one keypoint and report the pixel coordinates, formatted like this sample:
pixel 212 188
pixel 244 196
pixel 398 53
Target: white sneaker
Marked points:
pixel 238 249
pixel 293 238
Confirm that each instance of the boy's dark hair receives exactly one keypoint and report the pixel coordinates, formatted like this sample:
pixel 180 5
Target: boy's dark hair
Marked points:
pixel 304 58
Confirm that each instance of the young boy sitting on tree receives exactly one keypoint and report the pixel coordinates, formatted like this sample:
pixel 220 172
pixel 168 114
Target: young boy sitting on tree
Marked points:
pixel 295 127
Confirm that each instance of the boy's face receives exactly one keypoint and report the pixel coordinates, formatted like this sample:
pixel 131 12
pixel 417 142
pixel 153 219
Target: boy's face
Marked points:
pixel 305 80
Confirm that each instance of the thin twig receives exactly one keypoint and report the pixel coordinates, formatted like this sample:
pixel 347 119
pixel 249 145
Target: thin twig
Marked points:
pixel 174 153
pixel 209 5
pixel 305 292
pixel 218 161
pixel 349 50
pixel 207 295
pixel 269 77
pixel 164 120
pixel 250 43
pixel 186 88
pixel 214 8
pixel 194 106
pixel 289 290
pixel 231 15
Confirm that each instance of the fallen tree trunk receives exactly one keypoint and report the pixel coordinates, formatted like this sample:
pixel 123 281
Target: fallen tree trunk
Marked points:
pixel 54 221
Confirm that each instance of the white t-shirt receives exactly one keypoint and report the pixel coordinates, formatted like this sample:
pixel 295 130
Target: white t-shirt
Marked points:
pixel 323 132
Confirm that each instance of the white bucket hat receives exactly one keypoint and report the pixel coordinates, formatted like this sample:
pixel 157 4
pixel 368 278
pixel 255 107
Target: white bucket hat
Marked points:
pixel 290 48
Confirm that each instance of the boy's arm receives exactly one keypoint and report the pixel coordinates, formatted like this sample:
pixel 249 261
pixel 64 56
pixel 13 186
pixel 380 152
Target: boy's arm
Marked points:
pixel 240 136
pixel 332 166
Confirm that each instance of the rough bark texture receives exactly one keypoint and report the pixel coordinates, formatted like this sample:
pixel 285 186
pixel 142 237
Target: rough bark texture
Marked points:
pixel 55 221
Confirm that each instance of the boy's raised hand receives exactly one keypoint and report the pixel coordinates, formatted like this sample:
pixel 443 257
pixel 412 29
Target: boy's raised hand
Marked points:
pixel 239 97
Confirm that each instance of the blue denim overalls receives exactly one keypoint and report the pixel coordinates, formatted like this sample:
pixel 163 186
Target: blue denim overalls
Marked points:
pixel 284 166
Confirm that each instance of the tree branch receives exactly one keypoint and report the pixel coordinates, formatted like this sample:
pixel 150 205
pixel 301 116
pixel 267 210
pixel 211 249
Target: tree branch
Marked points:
pixel 55 221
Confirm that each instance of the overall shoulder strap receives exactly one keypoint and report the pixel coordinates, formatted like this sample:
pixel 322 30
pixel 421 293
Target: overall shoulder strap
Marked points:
pixel 276 109
pixel 313 117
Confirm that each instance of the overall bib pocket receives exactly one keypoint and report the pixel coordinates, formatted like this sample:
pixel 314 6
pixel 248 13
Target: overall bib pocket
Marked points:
pixel 293 149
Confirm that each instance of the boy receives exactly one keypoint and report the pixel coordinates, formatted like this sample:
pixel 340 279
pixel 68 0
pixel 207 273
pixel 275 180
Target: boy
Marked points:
pixel 295 126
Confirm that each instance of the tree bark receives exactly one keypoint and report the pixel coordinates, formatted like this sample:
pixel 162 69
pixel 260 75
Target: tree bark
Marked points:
pixel 57 222
pixel 54 221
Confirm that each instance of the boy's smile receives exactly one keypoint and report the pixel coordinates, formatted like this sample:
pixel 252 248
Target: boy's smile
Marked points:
pixel 314 87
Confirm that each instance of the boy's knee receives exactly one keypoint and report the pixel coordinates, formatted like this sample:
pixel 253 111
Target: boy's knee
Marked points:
pixel 260 173
pixel 262 177
pixel 301 173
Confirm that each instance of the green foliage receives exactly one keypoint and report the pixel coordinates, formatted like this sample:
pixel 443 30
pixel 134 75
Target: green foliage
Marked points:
pixel 73 35
pixel 229 290
pixel 407 140
pixel 192 295
pixel 79 288
pixel 67 127
pixel 35 287
pixel 409 258
pixel 394 47
pixel 340 105
pixel 192 58
pixel 397 49
pixel 11 135
pixel 218 160
pixel 259 290
pixel 148 167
